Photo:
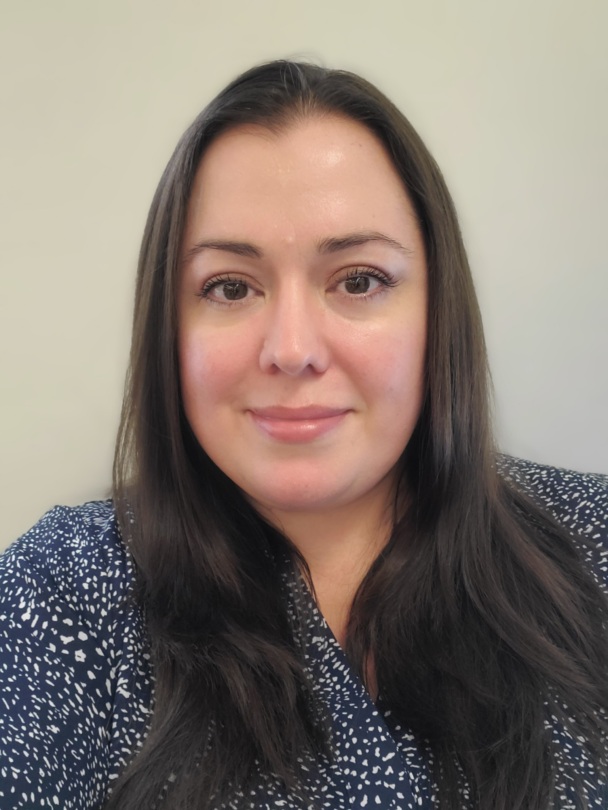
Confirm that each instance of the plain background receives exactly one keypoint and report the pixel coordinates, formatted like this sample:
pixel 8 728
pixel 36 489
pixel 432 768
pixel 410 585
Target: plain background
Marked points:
pixel 510 97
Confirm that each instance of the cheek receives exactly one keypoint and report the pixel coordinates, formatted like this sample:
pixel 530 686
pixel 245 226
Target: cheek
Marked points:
pixel 207 370
pixel 400 388
pixel 197 370
pixel 396 368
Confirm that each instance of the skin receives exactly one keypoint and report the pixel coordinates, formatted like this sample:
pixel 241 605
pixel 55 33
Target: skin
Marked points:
pixel 302 335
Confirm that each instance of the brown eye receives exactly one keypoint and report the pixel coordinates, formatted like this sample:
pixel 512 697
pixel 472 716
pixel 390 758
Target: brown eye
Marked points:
pixel 225 290
pixel 356 285
pixel 233 290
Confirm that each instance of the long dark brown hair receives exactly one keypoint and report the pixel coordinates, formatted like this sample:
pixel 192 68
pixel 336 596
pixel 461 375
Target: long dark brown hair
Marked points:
pixel 478 614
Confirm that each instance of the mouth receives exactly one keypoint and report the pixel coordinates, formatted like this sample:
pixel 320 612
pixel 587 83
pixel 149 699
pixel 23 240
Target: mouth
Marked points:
pixel 297 425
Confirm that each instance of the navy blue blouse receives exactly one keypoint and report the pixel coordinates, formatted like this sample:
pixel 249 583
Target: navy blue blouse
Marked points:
pixel 76 683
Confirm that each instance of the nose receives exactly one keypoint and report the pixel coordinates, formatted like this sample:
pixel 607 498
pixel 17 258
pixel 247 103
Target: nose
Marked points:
pixel 294 339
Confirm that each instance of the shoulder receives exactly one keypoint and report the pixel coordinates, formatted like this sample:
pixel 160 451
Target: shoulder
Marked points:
pixel 77 551
pixel 68 579
pixel 577 501
pixel 75 684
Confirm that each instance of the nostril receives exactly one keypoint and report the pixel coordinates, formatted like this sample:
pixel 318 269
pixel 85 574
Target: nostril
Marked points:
pixel 294 357
pixel 295 335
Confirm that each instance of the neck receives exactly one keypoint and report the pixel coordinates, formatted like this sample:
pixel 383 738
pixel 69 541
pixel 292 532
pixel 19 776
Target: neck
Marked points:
pixel 339 546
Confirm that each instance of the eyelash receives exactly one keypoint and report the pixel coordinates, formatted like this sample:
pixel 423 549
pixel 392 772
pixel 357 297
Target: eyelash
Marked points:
pixel 216 281
pixel 355 272
pixel 371 272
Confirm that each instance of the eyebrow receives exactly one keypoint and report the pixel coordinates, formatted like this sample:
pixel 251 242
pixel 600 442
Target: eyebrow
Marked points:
pixel 227 245
pixel 333 244
pixel 336 243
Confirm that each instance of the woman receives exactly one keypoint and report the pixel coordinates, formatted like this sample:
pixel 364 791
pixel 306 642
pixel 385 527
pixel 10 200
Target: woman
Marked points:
pixel 343 596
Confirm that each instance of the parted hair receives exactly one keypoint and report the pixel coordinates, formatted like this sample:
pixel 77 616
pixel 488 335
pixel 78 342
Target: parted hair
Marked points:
pixel 478 614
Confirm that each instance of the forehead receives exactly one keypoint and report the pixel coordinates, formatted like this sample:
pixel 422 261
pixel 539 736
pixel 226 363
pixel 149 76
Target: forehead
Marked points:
pixel 321 174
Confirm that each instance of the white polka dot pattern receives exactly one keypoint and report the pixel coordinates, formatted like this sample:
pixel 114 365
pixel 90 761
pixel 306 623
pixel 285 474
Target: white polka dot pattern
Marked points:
pixel 75 680
pixel 76 683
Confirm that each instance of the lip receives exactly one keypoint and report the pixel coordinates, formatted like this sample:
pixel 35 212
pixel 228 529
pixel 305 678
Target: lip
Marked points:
pixel 297 425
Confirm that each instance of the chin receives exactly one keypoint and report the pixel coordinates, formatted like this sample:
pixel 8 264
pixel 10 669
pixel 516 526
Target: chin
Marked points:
pixel 296 500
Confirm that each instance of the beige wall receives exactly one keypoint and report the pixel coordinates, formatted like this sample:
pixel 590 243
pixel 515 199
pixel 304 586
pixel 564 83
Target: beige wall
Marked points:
pixel 511 97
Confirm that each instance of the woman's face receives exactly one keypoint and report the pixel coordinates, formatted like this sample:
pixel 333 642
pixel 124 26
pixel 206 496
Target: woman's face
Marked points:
pixel 302 315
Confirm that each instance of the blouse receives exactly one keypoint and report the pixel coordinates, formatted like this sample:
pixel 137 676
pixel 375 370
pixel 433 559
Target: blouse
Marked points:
pixel 76 682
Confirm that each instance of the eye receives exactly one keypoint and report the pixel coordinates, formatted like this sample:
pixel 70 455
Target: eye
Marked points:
pixel 356 285
pixel 226 290
pixel 231 290
pixel 364 281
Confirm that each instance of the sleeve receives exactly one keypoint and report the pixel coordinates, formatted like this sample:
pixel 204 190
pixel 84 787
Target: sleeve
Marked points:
pixel 70 662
